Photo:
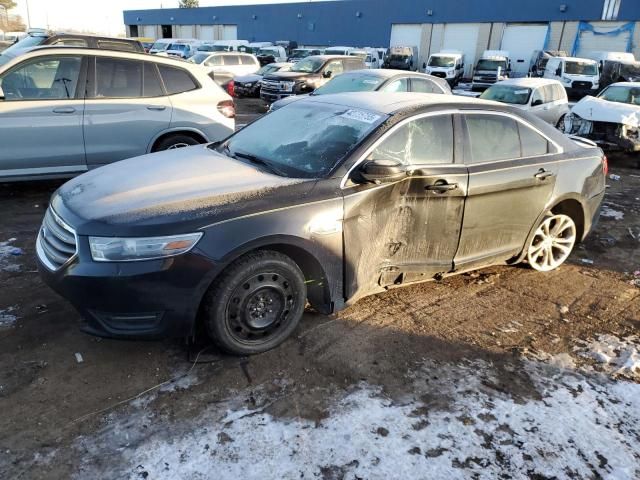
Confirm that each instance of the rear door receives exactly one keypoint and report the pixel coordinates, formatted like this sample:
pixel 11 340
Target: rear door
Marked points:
pixel 41 116
pixel 408 230
pixel 125 110
pixel 512 174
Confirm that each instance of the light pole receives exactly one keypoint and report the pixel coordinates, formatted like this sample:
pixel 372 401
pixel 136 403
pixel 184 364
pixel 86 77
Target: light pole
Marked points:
pixel 28 16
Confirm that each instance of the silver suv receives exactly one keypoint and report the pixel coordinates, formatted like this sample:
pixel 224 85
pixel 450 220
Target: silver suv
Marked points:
pixel 64 111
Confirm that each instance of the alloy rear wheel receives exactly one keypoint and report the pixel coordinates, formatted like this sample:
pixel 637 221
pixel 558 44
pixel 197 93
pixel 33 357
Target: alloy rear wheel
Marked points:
pixel 552 243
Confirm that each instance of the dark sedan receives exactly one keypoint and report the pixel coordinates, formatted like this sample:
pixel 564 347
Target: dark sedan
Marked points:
pixel 376 80
pixel 327 200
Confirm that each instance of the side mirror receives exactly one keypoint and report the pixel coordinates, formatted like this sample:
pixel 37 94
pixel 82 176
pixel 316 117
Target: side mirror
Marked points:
pixel 383 171
pixel 1 94
pixel 536 103
pixel 327 74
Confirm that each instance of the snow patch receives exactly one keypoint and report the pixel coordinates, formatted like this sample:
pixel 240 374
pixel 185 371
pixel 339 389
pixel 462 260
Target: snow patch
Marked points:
pixel 8 254
pixel 8 319
pixel 615 356
pixel 608 212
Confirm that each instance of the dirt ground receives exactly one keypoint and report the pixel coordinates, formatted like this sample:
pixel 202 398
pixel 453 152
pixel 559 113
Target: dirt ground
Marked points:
pixel 51 404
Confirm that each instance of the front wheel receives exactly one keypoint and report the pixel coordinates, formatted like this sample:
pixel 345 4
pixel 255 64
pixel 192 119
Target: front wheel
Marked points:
pixel 256 303
pixel 175 141
pixel 552 243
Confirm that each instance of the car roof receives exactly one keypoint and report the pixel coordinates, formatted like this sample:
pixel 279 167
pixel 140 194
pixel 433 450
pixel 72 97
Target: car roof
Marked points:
pixel 575 59
pixel 529 82
pixel 390 103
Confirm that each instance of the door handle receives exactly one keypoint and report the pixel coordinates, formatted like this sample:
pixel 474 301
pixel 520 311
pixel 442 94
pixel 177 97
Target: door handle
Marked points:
pixel 156 107
pixel 441 187
pixel 64 110
pixel 542 174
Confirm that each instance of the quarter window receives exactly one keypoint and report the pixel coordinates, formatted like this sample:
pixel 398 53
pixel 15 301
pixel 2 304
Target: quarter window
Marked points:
pixel 49 78
pixel 401 85
pixel 532 142
pixel 176 80
pixel 424 141
pixel 214 61
pixel 492 138
pixel 247 60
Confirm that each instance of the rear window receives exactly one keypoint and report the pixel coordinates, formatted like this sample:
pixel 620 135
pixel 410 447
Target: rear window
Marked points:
pixel 350 83
pixel 176 80
pixel 512 94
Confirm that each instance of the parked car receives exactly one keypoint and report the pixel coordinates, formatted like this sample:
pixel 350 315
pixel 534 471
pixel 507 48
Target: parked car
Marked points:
pixel 146 42
pixel 249 85
pixel 540 58
pixel 369 55
pixel 327 200
pixel 272 54
pixel 338 50
pixel 542 97
pixel 229 45
pixel 379 80
pixel 615 71
pixel 42 38
pixel 579 76
pixel 402 58
pixel 447 64
pixel 493 66
pixel 612 119
pixel 603 56
pixel 184 50
pixel 301 53
pixel 306 76
pixel 230 63
pixel 161 45
pixel 66 110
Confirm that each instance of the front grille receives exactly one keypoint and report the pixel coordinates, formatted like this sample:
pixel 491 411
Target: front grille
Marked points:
pixel 439 74
pixel 56 243
pixel 582 85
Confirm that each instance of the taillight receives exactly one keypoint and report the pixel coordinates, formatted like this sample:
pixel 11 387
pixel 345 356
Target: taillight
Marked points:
pixel 231 88
pixel 227 108
pixel 605 165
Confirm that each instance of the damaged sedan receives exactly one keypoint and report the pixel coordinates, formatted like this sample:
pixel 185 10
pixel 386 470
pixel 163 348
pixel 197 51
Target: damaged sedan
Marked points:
pixel 611 119
pixel 324 201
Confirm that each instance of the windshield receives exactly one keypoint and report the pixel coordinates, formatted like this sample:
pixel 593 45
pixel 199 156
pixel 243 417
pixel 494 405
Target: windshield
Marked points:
pixel 268 51
pixel 581 68
pixel 334 52
pixel 27 42
pixel 349 83
pixel 308 65
pixel 268 69
pixel 160 46
pixel 199 57
pixel 621 94
pixel 507 94
pixel 300 53
pixel 178 47
pixel 304 141
pixel 491 65
pixel 399 58
pixel 442 62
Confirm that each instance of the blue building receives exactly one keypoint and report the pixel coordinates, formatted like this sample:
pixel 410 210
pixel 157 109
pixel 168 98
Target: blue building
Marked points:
pixel 472 26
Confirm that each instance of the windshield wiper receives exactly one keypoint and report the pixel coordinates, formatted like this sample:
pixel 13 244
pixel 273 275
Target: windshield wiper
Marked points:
pixel 258 161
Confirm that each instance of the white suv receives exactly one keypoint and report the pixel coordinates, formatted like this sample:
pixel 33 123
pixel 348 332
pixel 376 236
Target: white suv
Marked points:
pixel 64 111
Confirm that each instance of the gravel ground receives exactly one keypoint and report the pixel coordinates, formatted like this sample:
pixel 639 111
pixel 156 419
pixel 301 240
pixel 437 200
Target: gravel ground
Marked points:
pixel 503 372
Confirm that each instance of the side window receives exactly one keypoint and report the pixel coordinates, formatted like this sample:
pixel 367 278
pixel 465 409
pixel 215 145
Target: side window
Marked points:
pixel 561 93
pixel 335 67
pixel 424 86
pixel 71 42
pixel 214 61
pixel 151 81
pixel 118 78
pixel 247 60
pixel 492 138
pixel 536 98
pixel 231 60
pixel 548 94
pixel 532 142
pixel 176 80
pixel 401 85
pixel 49 78
pixel 424 141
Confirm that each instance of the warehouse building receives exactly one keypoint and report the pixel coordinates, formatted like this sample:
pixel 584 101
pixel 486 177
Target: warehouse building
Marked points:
pixel 472 26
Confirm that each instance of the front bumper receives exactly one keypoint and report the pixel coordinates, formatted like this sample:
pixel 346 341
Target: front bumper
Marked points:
pixel 142 300
pixel 246 90
pixel 271 96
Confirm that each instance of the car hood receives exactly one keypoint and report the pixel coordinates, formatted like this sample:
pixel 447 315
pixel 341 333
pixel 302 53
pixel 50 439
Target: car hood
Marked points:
pixel 248 78
pixel 287 100
pixel 170 188
pixel 598 110
pixel 279 76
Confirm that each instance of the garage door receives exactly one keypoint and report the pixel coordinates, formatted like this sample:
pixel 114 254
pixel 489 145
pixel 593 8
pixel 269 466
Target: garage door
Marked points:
pixel 206 32
pixel 406 35
pixel 464 38
pixel 603 37
pixel 149 31
pixel 520 41
pixel 184 31
pixel 229 32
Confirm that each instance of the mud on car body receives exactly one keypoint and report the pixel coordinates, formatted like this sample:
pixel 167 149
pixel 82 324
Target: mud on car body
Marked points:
pixel 372 192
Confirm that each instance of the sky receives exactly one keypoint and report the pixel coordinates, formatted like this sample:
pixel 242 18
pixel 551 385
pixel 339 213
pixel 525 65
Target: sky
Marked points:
pixel 103 16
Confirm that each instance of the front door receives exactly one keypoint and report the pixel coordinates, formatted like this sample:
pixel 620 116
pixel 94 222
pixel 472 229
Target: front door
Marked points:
pixel 512 174
pixel 126 108
pixel 408 230
pixel 41 117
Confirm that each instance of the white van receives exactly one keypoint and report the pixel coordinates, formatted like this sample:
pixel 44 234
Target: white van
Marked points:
pixel 183 49
pixel 544 98
pixel 162 44
pixel 272 54
pixel 447 64
pixel 229 45
pixel 579 76
pixel 494 66
pixel 338 50
pixel 369 55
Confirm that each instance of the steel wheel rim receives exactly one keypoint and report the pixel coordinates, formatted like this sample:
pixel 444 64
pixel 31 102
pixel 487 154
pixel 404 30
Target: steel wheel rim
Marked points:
pixel 260 307
pixel 552 243
pixel 178 145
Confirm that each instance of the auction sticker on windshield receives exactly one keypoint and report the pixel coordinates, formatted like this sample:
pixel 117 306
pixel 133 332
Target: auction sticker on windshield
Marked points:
pixel 361 116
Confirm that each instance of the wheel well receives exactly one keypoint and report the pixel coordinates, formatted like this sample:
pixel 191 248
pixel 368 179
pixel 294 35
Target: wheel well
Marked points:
pixel 196 136
pixel 573 209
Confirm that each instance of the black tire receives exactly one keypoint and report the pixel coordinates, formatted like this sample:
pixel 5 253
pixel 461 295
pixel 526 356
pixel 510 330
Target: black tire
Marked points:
pixel 177 140
pixel 237 312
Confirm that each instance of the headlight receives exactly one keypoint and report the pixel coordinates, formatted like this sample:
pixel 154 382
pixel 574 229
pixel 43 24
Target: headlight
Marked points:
pixel 114 249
